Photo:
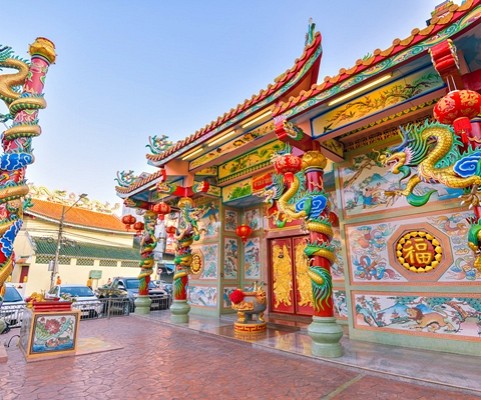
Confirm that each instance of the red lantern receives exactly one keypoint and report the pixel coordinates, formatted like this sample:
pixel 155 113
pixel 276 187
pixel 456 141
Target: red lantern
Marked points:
pixel 287 165
pixel 128 220
pixel 333 219
pixel 243 231
pixel 139 226
pixel 170 230
pixel 457 104
pixel 161 208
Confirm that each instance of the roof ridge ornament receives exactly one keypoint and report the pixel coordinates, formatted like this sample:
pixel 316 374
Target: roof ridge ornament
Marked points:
pixel 310 32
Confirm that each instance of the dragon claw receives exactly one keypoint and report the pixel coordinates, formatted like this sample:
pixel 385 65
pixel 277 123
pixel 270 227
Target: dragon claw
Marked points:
pixel 472 198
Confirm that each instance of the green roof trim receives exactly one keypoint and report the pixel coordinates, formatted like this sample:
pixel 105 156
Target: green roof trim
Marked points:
pixel 47 246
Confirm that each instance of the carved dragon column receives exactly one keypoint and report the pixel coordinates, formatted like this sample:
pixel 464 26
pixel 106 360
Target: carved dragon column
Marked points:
pixel 16 141
pixel 147 262
pixel 310 203
pixel 324 330
pixel 187 232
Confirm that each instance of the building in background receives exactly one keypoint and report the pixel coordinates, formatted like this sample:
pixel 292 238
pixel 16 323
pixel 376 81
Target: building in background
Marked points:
pixel 94 242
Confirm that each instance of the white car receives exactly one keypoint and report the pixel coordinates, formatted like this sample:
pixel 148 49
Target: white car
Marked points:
pixel 13 306
pixel 84 299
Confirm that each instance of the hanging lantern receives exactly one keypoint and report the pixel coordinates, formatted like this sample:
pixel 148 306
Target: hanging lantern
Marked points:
pixel 457 104
pixel 128 220
pixel 287 165
pixel 462 126
pixel 333 219
pixel 170 230
pixel 243 231
pixel 162 209
pixel 139 226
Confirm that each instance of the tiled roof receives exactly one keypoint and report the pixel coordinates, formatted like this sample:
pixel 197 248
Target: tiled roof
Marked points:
pixel 47 246
pixel 454 13
pixel 75 216
pixel 281 81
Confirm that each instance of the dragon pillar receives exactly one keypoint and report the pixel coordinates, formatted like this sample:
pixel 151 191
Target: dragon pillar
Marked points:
pixel 184 259
pixel 147 262
pixel 17 154
pixel 324 330
pixel 305 199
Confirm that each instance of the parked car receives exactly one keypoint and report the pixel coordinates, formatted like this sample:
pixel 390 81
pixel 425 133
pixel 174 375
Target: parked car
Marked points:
pixel 13 306
pixel 167 286
pixel 129 287
pixel 84 298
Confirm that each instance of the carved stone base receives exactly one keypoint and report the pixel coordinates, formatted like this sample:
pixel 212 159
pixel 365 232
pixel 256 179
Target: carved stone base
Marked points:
pixel 142 305
pixel 250 328
pixel 179 311
pixel 326 334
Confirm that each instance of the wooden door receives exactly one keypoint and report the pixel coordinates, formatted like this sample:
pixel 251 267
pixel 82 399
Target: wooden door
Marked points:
pixel 290 285
pixel 23 273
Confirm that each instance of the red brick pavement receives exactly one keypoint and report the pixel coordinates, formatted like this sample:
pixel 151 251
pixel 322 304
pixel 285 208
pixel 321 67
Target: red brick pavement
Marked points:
pixel 160 361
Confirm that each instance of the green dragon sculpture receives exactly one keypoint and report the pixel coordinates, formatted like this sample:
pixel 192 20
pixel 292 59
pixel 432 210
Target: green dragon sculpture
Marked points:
pixel 310 206
pixel 432 153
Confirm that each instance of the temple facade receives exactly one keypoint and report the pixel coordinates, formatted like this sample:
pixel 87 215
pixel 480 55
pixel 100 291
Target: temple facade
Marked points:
pixel 404 270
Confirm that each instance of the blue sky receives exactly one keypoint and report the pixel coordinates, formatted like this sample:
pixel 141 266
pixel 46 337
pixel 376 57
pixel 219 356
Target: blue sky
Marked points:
pixel 127 70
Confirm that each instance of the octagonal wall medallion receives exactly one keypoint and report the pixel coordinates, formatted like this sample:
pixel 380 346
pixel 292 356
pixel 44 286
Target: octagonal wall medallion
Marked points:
pixel 420 252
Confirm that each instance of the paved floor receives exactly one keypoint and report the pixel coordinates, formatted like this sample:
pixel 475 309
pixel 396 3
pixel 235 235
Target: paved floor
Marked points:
pixel 150 358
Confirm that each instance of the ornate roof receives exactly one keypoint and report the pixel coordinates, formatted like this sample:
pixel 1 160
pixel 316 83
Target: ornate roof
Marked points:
pixel 306 65
pixel 452 14
pixel 76 216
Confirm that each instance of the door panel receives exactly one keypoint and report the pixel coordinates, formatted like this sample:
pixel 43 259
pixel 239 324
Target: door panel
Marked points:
pixel 291 287
pixel 281 273
pixel 303 283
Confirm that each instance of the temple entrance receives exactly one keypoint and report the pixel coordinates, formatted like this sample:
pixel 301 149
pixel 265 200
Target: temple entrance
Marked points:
pixel 290 285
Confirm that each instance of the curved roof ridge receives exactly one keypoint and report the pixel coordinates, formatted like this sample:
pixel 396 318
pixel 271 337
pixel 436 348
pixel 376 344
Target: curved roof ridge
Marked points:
pixel 279 81
pixel 454 12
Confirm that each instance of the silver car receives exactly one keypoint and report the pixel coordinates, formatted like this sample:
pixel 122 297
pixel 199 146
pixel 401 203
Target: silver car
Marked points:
pixel 84 299
pixel 13 306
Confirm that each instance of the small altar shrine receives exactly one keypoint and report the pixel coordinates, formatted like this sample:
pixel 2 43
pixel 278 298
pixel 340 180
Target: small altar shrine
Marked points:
pixel 49 330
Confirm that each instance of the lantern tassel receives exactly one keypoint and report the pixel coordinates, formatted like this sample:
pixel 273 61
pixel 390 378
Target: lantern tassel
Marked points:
pixel 463 128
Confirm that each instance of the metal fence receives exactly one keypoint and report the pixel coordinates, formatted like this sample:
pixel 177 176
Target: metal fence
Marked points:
pixel 12 315
pixel 89 309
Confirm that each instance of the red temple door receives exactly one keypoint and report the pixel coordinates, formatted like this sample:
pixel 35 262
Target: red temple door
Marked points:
pixel 290 286
pixel 23 273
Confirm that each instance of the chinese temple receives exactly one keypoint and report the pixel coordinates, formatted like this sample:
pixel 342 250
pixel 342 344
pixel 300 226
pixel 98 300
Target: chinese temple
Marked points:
pixel 352 201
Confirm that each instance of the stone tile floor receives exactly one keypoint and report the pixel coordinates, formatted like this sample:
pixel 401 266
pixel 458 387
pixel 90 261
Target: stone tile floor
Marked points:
pixel 151 358
pixel 451 370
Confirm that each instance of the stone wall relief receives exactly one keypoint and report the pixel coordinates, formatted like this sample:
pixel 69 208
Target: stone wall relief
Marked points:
pixel 449 315
pixel 203 296
pixel 366 180
pixel 231 258
pixel 252 259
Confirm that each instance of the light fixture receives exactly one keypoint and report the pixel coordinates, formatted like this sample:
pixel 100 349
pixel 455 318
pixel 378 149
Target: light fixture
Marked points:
pixel 221 138
pixel 192 153
pixel 359 90
pixel 253 121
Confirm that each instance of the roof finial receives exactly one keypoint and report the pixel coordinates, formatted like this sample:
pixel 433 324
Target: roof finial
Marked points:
pixel 310 32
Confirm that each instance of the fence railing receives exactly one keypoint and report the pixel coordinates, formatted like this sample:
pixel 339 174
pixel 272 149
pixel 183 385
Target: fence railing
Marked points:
pixel 89 309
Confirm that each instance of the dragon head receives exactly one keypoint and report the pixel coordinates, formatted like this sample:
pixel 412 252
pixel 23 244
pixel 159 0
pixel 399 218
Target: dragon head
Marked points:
pixel 394 161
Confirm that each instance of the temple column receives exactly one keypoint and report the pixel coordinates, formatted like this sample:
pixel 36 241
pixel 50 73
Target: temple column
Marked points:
pixel 325 332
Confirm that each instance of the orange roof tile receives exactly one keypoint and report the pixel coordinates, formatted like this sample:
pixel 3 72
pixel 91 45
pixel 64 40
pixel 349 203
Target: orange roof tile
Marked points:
pixel 76 216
